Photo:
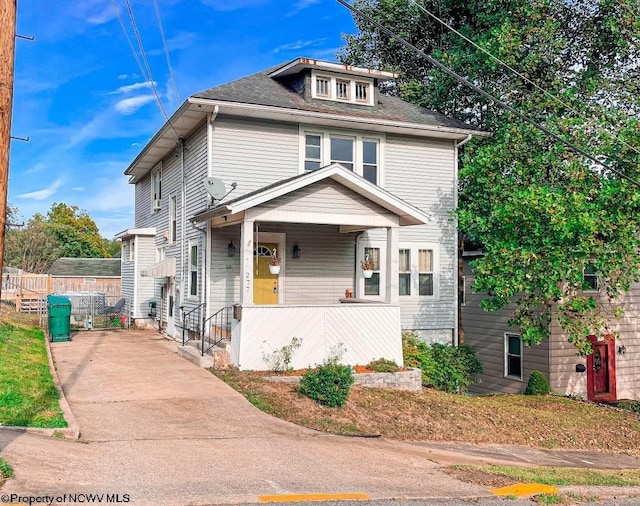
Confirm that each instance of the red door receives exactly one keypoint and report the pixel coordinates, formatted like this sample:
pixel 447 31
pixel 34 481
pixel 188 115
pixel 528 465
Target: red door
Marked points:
pixel 601 370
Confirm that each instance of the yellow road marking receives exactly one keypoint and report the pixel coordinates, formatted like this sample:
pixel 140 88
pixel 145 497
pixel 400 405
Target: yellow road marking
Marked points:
pixel 357 496
pixel 523 489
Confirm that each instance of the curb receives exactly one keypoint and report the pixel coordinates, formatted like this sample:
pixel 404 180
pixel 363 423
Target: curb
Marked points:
pixel 73 429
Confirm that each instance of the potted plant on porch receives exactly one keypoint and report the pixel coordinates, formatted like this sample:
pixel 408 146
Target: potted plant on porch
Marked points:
pixel 367 267
pixel 274 263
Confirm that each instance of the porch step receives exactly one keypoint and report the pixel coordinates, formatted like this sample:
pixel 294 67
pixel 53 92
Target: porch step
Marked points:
pixel 218 357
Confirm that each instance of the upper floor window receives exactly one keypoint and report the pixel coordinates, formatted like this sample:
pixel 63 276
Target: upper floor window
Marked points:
pixel 156 187
pixel 354 152
pixel 322 86
pixel 590 278
pixel 341 87
pixel 173 220
pixel 362 92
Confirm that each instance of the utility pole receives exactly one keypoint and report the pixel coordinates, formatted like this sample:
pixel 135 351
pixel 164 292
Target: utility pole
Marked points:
pixel 7 54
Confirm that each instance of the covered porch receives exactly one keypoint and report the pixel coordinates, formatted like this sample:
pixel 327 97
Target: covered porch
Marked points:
pixel 313 225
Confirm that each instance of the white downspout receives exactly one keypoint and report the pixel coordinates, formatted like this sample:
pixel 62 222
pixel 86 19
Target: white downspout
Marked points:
pixel 183 224
pixel 456 328
pixel 209 232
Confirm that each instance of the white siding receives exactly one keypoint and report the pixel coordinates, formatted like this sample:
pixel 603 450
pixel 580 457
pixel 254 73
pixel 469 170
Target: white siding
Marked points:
pixel 254 153
pixel 321 275
pixel 366 332
pixel 145 290
pixel 421 172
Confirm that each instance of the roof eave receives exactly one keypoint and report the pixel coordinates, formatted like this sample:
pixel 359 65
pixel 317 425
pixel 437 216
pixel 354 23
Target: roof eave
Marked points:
pixel 281 113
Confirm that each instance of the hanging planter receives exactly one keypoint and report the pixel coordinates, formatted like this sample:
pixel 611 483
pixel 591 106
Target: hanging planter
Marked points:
pixel 274 263
pixel 367 267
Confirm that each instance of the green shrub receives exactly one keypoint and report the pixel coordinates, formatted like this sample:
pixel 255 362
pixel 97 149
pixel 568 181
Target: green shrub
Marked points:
pixel 329 383
pixel 443 367
pixel 537 385
pixel 383 365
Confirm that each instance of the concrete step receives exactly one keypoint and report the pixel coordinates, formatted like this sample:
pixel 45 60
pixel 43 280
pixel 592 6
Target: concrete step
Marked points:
pixel 218 357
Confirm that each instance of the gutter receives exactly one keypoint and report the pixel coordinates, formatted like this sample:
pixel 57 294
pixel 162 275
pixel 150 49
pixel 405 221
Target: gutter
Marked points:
pixel 301 113
pixel 456 260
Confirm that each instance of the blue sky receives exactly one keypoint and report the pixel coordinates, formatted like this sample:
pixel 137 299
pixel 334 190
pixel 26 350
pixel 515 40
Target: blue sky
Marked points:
pixel 81 98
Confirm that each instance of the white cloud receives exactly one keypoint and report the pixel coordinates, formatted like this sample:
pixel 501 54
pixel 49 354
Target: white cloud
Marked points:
pixel 122 77
pixel 132 87
pixel 128 106
pixel 78 188
pixel 299 44
pixel 301 5
pixel 102 17
pixel 42 194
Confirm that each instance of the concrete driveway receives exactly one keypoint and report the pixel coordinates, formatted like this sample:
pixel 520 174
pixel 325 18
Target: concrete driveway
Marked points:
pixel 162 431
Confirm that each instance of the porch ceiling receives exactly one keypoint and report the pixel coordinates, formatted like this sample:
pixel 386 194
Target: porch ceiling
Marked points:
pixel 396 212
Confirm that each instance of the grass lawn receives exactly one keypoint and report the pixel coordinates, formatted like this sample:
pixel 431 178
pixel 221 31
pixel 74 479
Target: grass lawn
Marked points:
pixel 431 415
pixel 28 397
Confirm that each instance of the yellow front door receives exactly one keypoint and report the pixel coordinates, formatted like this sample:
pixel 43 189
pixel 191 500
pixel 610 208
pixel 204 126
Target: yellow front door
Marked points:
pixel 265 284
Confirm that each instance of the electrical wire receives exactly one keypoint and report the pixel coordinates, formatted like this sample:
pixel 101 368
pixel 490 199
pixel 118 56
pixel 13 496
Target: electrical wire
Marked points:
pixel 149 74
pixel 519 74
pixel 485 94
pixel 166 53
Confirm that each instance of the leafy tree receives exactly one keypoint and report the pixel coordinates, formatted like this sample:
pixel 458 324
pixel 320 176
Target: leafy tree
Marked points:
pixel 542 212
pixel 65 231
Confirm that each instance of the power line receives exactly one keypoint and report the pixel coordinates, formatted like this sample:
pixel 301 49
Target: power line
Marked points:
pixel 165 46
pixel 166 52
pixel 146 69
pixel 519 74
pixel 485 94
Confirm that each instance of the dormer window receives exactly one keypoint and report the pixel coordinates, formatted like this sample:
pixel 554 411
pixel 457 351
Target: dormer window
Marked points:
pixel 341 88
pixel 362 92
pixel 322 86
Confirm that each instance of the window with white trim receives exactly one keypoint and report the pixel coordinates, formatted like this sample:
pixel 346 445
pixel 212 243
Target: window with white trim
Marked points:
pixel 193 269
pixel 342 151
pixel 362 92
pixel 312 151
pixel 156 187
pixel 425 272
pixel 372 284
pixel 513 356
pixel 340 87
pixel 173 219
pixel 322 86
pixel 417 267
pixel 462 291
pixel 353 151
pixel 404 272
pixel 590 278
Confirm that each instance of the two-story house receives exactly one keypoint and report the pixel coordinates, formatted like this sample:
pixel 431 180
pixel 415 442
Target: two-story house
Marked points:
pixel 322 172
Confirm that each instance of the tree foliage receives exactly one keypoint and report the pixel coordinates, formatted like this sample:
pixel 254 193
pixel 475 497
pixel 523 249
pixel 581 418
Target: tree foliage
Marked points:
pixel 542 212
pixel 65 231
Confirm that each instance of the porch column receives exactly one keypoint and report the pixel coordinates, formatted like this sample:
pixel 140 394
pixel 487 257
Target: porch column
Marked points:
pixel 246 263
pixel 391 290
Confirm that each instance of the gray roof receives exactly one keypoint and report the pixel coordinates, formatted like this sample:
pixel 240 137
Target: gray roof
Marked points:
pixel 260 89
pixel 86 267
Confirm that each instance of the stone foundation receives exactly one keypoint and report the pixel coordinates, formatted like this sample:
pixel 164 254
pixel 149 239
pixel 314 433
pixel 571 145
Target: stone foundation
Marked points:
pixel 403 380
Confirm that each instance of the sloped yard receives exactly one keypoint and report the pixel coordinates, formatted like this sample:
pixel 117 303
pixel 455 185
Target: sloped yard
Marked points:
pixel 431 415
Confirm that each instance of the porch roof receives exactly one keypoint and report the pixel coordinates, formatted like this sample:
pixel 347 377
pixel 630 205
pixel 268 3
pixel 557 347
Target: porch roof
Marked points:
pixel 407 214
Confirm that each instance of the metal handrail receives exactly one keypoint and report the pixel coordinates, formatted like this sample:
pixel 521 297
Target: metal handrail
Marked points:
pixel 187 319
pixel 220 323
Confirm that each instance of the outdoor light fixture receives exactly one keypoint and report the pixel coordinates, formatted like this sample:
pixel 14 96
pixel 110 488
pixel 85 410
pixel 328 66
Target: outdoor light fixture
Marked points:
pixel 231 249
pixel 622 350
pixel 296 251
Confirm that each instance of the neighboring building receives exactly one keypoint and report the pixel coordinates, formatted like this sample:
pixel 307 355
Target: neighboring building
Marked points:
pixel 86 275
pixel 609 374
pixel 326 173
